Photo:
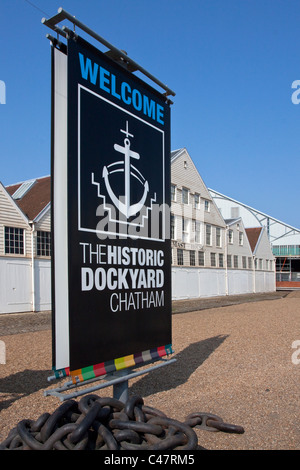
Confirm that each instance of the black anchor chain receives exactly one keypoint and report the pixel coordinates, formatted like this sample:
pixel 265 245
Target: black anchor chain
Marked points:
pixel 96 423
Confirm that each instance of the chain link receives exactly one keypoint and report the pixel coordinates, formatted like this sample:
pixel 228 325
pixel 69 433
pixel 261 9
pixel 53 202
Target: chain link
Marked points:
pixel 96 423
pixel 212 423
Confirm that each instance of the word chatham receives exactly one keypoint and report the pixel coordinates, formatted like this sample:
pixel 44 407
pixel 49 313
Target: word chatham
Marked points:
pixel 132 276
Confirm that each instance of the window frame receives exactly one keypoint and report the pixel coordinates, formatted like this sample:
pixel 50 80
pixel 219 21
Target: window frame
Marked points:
pixel 192 258
pixel 221 260
pixel 185 191
pixel 236 261
pixel 173 199
pixel 201 258
pixel 218 237
pixel 208 227
pixel 241 238
pixel 43 243
pixel 180 255
pixel 172 227
pixel 14 240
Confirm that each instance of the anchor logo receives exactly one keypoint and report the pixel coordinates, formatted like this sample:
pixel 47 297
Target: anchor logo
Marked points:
pixel 129 171
pixel 122 173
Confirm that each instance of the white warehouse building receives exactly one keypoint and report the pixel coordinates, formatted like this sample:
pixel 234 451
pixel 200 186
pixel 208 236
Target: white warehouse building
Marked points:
pixel 284 239
pixel 212 254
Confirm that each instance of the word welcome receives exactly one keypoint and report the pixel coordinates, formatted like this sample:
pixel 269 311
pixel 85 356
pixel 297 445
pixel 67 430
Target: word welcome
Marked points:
pixel 109 83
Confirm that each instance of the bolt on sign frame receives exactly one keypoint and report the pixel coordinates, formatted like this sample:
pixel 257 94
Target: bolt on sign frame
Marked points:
pixel 111 274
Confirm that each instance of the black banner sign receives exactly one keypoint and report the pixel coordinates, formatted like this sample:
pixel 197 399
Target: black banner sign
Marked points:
pixel 119 265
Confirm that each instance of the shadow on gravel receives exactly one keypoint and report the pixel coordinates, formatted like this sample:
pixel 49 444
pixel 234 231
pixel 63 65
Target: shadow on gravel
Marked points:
pixel 177 373
pixel 19 385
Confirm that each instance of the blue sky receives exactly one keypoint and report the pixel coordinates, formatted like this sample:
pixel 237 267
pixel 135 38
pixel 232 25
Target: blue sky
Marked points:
pixel 231 63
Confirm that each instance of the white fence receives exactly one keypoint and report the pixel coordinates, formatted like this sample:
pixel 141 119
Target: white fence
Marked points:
pixel 205 282
pixel 25 288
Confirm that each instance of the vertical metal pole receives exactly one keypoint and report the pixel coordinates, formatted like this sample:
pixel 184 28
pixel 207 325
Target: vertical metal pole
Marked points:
pixel 120 390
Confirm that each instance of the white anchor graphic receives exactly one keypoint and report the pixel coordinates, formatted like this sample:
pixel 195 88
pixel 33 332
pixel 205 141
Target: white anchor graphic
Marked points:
pixel 129 170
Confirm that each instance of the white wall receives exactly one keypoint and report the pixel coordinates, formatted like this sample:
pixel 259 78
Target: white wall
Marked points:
pixel 196 282
pixel 240 282
pixel 204 282
pixel 42 272
pixel 265 281
pixel 17 288
pixel 15 282
pixel 17 293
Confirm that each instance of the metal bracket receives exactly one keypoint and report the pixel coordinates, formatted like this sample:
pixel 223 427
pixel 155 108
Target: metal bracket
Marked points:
pixel 119 381
pixel 115 53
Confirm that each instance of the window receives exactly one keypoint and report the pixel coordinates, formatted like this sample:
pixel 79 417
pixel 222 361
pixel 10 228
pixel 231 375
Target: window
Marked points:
pixel 172 226
pixel 260 266
pixel 218 236
pixel 180 257
pixel 221 260
pixel 43 243
pixel 14 240
pixel 230 237
pixel 244 262
pixel 201 258
pixel 208 234
pixel 185 232
pixel 236 261
pixel 206 206
pixel 250 262
pixel 185 196
pixel 213 259
pixel 192 258
pixel 196 201
pixel 229 261
pixel 241 238
pixel 173 192
pixel 196 230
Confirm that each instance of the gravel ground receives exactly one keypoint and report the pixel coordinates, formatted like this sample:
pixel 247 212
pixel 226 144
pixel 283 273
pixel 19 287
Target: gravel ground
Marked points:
pixel 234 359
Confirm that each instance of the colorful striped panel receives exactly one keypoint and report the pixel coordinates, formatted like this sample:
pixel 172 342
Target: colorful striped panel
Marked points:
pixel 104 368
pixel 59 374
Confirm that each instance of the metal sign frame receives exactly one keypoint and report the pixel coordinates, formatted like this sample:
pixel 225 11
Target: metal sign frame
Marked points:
pixel 119 374
pixel 114 52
